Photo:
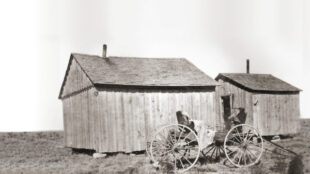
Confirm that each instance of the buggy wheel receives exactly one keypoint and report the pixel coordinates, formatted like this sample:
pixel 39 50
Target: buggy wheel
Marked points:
pixel 243 145
pixel 214 151
pixel 176 147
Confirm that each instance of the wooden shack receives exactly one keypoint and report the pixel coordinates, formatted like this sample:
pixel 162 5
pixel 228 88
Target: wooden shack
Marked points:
pixel 114 104
pixel 270 104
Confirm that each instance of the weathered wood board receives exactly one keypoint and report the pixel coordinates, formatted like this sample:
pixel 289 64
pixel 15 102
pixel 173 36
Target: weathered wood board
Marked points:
pixel 124 120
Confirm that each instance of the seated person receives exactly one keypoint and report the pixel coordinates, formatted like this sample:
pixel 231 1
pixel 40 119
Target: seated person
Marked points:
pixel 183 119
pixel 237 117
pixel 205 135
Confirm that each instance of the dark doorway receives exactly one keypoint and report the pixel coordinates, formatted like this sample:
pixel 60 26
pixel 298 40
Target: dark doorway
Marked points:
pixel 226 103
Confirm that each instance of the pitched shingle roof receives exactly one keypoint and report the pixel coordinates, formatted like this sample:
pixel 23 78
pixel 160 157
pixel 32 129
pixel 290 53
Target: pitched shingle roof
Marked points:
pixel 258 82
pixel 142 71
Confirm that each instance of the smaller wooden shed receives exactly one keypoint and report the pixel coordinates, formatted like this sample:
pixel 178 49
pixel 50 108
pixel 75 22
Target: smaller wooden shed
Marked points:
pixel 270 104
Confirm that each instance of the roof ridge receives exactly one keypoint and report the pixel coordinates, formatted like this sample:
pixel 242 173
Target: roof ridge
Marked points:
pixel 82 54
pixel 130 57
pixel 165 58
pixel 247 73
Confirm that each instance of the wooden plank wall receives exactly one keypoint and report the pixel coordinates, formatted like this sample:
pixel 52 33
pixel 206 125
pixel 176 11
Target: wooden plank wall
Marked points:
pixel 274 113
pixel 76 80
pixel 241 98
pixel 132 117
pixel 79 121
pixel 125 120
pixel 277 113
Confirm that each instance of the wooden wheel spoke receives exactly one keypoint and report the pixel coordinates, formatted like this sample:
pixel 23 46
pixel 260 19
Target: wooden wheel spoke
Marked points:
pixel 237 154
pixel 239 136
pixel 244 157
pixel 180 135
pixel 159 146
pixel 164 153
pixel 232 148
pixel 222 149
pixel 188 161
pixel 234 142
pixel 228 149
pixel 247 134
pixel 212 152
pixel 249 156
pixel 186 136
pixel 252 154
pixel 160 149
pixel 175 162
pixel 181 163
pixel 182 155
pixel 161 143
pixel 251 136
pixel 230 152
pixel 218 152
pixel 180 159
pixel 210 149
pixel 240 156
pixel 215 152
pixel 190 142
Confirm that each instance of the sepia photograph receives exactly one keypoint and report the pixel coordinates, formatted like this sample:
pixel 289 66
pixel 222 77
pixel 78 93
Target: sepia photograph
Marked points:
pixel 155 87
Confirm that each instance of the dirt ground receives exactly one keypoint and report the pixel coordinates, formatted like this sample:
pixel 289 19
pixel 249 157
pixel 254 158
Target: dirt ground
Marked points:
pixel 44 152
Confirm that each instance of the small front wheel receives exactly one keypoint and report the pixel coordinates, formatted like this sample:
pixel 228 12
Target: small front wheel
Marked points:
pixel 243 145
pixel 176 145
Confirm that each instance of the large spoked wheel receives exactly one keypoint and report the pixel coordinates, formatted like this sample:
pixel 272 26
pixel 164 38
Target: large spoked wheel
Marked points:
pixel 176 145
pixel 243 145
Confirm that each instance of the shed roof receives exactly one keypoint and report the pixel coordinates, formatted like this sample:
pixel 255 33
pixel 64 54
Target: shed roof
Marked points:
pixel 142 71
pixel 258 82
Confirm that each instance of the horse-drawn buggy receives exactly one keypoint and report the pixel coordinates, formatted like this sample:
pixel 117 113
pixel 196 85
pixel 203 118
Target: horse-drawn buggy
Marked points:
pixel 182 144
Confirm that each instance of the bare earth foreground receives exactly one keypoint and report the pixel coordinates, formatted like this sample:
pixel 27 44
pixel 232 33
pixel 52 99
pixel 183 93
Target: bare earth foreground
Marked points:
pixel 43 152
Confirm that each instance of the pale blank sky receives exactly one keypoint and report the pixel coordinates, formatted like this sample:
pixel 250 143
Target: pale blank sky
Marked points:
pixel 37 37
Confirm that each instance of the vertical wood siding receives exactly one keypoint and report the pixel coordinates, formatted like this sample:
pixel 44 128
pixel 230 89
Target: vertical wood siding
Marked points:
pixel 241 98
pixel 80 121
pixel 125 120
pixel 276 113
pixel 273 114
pixel 76 80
